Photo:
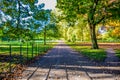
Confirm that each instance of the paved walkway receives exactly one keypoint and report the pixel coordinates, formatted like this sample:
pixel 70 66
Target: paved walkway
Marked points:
pixel 111 57
pixel 62 63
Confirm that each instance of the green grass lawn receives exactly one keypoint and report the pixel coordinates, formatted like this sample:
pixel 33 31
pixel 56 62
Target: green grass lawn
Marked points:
pixel 94 54
pixel 118 53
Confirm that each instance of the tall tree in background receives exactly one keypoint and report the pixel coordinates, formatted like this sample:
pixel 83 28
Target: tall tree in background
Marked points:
pixel 27 16
pixel 95 12
pixel 18 13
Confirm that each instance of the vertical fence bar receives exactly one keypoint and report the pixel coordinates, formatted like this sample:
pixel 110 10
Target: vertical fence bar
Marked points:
pixel 21 54
pixel 27 51
pixel 44 48
pixel 10 57
pixel 39 48
pixel 48 43
pixel 36 49
pixel 32 50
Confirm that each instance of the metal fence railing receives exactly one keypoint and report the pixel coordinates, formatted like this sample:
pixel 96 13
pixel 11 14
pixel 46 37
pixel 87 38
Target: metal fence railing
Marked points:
pixel 13 55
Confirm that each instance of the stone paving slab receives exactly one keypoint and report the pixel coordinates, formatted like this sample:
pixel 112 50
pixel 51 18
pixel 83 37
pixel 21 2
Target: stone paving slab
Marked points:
pixel 57 74
pixel 101 76
pixel 78 75
pixel 27 73
pixel 40 74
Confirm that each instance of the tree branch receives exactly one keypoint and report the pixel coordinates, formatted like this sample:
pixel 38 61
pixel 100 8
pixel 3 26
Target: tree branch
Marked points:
pixel 91 14
pixel 98 21
pixel 102 18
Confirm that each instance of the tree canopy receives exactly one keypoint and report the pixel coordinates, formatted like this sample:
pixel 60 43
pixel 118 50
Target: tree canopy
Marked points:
pixel 94 11
pixel 20 18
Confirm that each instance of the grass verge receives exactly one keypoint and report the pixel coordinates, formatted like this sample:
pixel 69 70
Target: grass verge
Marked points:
pixel 118 53
pixel 94 54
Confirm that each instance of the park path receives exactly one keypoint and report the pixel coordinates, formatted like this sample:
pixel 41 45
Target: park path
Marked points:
pixel 63 63
pixel 111 57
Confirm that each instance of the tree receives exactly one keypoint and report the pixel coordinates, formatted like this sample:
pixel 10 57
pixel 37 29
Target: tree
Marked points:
pixel 17 11
pixel 95 12
pixel 52 27
pixel 26 17
pixel 44 16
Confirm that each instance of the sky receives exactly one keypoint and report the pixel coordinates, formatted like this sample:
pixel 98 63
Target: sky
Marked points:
pixel 49 4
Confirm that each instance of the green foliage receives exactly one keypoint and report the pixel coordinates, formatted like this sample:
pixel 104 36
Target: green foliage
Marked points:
pixel 74 33
pixel 95 11
pixel 26 18
pixel 29 1
pixel 118 53
pixel 42 15
pixel 52 29
pixel 73 38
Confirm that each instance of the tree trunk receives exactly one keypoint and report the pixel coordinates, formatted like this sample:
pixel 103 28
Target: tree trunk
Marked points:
pixel 93 36
pixel 18 21
pixel 45 36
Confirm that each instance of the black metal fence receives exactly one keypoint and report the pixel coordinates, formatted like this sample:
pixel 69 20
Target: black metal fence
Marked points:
pixel 13 55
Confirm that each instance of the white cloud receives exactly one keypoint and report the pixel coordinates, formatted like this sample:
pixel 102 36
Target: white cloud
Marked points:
pixel 49 4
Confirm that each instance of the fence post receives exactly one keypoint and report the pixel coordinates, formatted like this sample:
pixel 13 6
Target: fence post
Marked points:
pixel 32 50
pixel 39 48
pixel 27 51
pixel 21 54
pixel 36 49
pixel 44 48
pixel 10 57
